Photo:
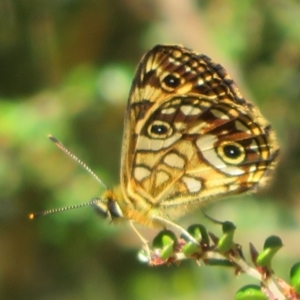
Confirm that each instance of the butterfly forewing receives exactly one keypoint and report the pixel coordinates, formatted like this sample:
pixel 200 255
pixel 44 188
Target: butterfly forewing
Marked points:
pixel 189 135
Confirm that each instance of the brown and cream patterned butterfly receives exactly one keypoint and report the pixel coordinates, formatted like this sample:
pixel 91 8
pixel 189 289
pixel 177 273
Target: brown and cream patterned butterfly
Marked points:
pixel 189 138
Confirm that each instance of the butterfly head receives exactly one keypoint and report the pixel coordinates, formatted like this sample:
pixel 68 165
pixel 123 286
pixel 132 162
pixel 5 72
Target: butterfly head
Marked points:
pixel 107 206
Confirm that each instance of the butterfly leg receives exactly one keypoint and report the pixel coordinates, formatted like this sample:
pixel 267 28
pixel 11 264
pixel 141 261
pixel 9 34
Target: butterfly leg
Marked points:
pixel 143 240
pixel 176 226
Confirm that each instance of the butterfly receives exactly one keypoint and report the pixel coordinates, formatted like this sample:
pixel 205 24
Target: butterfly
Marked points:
pixel 189 138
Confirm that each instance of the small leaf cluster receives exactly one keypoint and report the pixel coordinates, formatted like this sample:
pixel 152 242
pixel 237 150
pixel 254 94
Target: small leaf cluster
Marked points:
pixel 212 250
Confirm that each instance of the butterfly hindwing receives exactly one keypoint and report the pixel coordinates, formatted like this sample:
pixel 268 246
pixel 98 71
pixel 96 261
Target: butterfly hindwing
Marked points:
pixel 189 134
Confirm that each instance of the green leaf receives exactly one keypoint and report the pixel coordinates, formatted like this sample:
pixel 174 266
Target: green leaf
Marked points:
pixel 165 241
pixel 191 248
pixel 198 231
pixel 271 246
pixel 295 277
pixel 250 292
pixel 226 243
pixel 228 227
pixel 273 241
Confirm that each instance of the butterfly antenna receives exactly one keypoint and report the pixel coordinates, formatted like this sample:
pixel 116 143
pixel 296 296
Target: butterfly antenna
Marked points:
pixel 74 157
pixel 56 210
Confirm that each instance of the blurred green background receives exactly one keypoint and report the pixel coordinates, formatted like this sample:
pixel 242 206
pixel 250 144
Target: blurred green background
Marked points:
pixel 66 69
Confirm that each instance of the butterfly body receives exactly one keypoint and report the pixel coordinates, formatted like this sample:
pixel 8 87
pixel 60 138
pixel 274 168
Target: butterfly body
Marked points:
pixel 189 137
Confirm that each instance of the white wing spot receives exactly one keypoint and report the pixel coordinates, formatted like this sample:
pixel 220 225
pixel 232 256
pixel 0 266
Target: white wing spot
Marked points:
pixel 177 53
pixel 254 146
pixel 252 169
pixel 198 128
pixel 161 177
pixel 180 126
pixel 219 114
pixel 168 111
pixel 140 173
pixel 173 160
pixel 200 81
pixel 193 185
pixel 241 127
pixel 187 69
pixel 233 187
pixel 190 110
pixel 177 63
pixel 148 144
